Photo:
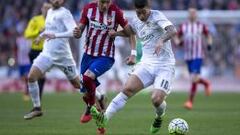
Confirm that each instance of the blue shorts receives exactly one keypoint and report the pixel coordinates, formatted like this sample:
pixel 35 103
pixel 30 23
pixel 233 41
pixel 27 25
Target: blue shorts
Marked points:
pixel 24 69
pixel 194 66
pixel 98 65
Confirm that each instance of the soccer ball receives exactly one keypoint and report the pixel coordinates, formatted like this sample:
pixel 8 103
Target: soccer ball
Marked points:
pixel 178 126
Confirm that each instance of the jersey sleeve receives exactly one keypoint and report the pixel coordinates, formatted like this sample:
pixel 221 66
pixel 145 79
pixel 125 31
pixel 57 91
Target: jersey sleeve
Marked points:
pixel 120 18
pixel 133 25
pixel 205 30
pixel 32 29
pixel 162 20
pixel 84 18
pixel 69 23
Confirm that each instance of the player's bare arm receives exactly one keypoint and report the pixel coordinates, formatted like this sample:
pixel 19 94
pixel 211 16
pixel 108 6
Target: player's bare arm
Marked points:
pixel 131 60
pixel 126 32
pixel 77 32
pixel 39 39
pixel 170 33
pixel 177 40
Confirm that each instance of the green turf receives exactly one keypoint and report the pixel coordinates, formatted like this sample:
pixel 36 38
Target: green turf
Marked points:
pixel 215 115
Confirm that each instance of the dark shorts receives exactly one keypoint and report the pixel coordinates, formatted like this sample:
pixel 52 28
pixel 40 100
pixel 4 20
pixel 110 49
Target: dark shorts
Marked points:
pixel 98 65
pixel 24 69
pixel 33 54
pixel 194 66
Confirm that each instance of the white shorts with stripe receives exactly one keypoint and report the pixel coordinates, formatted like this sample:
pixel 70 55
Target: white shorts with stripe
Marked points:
pixel 45 63
pixel 160 77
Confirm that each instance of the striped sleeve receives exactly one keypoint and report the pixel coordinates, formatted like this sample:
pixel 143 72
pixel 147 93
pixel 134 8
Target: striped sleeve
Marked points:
pixel 84 18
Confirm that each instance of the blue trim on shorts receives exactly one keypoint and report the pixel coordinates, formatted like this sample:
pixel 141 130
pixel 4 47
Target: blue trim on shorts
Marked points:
pixel 194 66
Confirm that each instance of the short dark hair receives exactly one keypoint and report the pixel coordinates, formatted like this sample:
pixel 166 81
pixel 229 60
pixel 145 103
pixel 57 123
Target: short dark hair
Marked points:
pixel 141 3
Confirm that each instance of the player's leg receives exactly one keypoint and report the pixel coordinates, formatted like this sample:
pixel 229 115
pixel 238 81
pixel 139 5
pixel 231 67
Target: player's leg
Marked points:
pixel 71 72
pixel 97 67
pixel 138 80
pixel 194 81
pixel 193 90
pixel 89 83
pixel 85 64
pixel 32 55
pixel 159 104
pixel 101 100
pixel 132 86
pixel 201 80
pixel 39 67
pixel 162 85
pixel 24 70
pixel 41 83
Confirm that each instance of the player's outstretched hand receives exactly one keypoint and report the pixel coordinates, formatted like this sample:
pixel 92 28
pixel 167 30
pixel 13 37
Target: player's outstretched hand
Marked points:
pixel 37 40
pixel 77 32
pixel 158 47
pixel 112 33
pixel 131 60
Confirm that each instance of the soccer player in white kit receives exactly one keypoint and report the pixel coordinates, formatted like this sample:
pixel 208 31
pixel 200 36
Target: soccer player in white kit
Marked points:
pixel 156 67
pixel 56 53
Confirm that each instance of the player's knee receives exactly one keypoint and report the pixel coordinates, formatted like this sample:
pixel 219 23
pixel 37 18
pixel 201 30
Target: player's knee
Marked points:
pixel 31 78
pixel 87 79
pixel 128 91
pixel 77 85
pixel 157 99
pixel 89 74
pixel 195 78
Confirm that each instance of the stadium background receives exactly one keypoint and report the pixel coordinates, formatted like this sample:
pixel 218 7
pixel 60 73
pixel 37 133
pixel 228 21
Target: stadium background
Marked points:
pixel 221 66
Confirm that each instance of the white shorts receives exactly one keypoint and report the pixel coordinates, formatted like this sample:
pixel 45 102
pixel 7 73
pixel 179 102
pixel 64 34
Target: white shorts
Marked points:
pixel 45 63
pixel 160 77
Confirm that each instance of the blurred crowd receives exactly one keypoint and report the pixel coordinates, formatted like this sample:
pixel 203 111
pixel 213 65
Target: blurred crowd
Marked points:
pixel 15 14
pixel 184 4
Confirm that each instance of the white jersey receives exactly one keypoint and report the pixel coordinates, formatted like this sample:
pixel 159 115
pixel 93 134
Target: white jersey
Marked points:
pixel 61 23
pixel 149 33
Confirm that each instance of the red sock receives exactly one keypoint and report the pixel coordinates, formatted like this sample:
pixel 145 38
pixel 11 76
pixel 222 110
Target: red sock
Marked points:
pixel 204 82
pixel 85 98
pixel 90 85
pixel 193 91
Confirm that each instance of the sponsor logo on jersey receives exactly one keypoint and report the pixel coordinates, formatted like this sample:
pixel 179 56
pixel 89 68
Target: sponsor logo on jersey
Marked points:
pixel 97 25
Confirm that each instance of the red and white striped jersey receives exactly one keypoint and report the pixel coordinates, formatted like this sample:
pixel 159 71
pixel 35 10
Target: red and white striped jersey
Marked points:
pixel 98 43
pixel 192 35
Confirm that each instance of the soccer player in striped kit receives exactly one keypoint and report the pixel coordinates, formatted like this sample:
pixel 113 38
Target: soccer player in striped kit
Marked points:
pixel 190 35
pixel 98 17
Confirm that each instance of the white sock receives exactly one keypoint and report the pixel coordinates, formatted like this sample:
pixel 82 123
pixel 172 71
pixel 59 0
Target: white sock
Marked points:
pixel 116 104
pixel 34 93
pixel 160 111
pixel 98 95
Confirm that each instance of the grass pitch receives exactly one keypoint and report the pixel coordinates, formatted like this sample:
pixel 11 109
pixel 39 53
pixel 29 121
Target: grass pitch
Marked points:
pixel 215 115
